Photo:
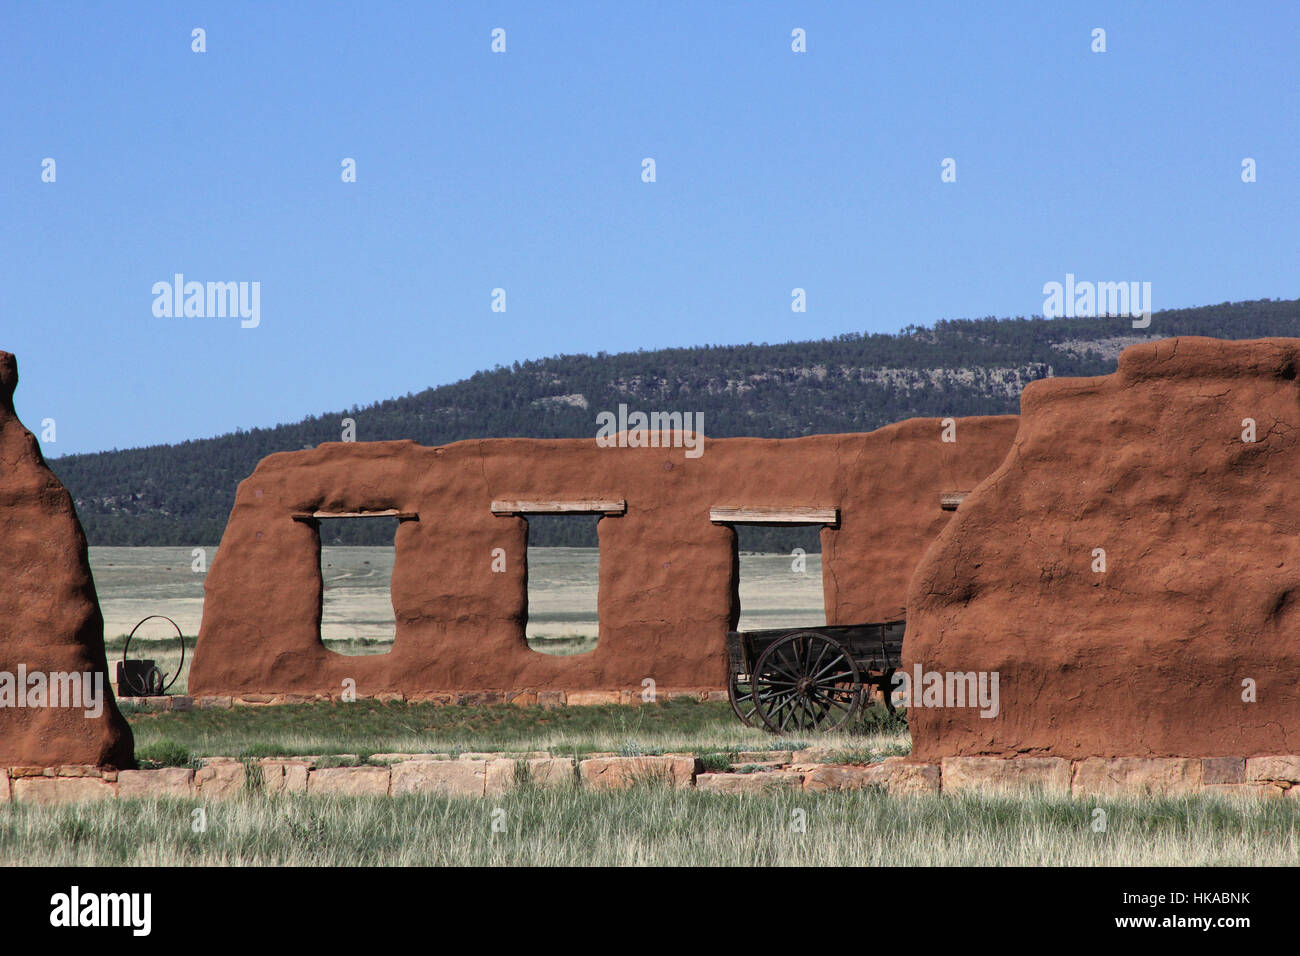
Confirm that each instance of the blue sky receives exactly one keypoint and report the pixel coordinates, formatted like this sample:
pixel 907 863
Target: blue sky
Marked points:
pixel 522 171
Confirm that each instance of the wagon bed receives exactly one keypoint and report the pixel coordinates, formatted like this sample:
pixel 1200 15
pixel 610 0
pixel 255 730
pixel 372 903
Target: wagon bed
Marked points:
pixel 794 680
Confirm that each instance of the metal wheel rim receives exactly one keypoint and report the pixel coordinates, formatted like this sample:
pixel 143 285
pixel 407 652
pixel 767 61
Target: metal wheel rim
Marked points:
pixel 806 682
pixel 180 636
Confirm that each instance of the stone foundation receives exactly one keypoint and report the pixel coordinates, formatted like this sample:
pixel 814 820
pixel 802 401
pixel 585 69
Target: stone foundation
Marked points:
pixel 485 775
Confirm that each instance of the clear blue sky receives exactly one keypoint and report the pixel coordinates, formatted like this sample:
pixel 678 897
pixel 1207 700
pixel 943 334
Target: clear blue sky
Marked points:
pixel 522 170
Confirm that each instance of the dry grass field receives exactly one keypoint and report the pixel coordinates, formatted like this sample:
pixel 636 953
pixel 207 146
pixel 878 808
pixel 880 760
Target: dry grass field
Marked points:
pixel 651 826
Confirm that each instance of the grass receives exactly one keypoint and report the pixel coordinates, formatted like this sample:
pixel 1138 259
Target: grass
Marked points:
pixel 562 645
pixel 653 825
pixel 164 753
pixel 368 727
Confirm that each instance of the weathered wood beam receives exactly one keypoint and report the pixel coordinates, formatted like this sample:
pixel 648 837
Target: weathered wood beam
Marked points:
pixel 561 506
pixel 763 515
pixel 389 513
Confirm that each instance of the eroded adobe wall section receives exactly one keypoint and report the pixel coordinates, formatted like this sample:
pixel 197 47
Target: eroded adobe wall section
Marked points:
pixel 50 622
pixel 666 596
pixel 1199 599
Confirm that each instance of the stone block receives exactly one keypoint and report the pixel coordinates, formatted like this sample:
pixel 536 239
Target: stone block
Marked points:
pixel 1138 776
pixel 50 791
pixel 1273 768
pixel 502 774
pixel 764 782
pixel 1223 770
pixel 617 773
pixel 454 778
pixel 829 777
pixel 152 784
pixel 903 777
pixel 350 781
pixel 219 779
pixel 158 703
pixel 78 770
pixel 258 700
pixel 592 698
pixel 1013 775
pixel 284 776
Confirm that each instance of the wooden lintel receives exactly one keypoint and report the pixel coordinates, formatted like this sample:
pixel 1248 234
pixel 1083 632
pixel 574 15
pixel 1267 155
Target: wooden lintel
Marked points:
pixel 561 506
pixel 390 513
pixel 762 515
pixel 949 500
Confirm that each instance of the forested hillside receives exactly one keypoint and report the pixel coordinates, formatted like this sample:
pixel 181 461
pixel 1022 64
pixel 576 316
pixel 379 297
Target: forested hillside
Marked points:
pixel 182 494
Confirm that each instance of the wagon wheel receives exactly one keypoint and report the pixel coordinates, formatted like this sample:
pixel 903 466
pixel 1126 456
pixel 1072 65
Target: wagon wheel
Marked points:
pixel 156 682
pixel 740 691
pixel 806 681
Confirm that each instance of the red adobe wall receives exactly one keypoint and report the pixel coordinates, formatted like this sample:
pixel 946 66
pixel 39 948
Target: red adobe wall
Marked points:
pixel 1201 590
pixel 667 574
pixel 50 621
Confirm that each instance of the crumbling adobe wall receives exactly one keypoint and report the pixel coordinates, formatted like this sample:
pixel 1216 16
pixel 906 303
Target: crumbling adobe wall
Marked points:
pixel 1201 587
pixel 666 587
pixel 50 621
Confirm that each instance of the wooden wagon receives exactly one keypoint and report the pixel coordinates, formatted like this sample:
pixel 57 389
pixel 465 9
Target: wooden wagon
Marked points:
pixel 796 680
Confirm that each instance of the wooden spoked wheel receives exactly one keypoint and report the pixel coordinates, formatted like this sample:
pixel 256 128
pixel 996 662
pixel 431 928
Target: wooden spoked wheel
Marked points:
pixel 806 682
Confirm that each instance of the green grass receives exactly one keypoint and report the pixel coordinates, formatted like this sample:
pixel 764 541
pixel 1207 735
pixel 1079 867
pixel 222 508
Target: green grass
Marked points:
pixel 368 727
pixel 163 753
pixel 652 825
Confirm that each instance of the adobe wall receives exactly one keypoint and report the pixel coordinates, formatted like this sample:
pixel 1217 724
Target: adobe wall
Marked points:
pixel 1201 587
pixel 667 574
pixel 50 621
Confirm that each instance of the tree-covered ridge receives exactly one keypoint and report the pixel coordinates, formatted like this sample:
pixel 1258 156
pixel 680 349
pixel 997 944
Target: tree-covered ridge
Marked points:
pixel 182 494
